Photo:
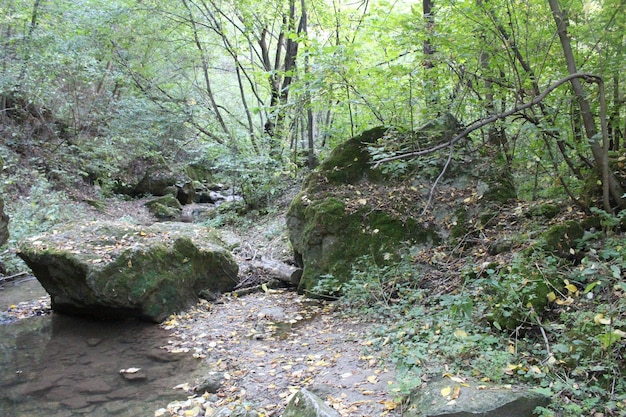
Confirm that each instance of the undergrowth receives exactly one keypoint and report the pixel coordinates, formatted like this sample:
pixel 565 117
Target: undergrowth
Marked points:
pixel 541 321
pixel 32 213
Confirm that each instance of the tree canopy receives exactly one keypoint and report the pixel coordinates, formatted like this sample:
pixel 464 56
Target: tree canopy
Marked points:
pixel 266 81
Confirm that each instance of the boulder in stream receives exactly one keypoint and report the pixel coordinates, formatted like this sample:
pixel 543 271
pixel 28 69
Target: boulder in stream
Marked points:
pixel 119 270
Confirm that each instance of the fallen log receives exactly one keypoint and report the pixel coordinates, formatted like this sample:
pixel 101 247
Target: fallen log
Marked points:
pixel 275 269
pixel 10 278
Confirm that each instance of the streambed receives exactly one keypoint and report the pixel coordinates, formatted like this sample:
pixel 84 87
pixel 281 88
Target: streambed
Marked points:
pixel 61 366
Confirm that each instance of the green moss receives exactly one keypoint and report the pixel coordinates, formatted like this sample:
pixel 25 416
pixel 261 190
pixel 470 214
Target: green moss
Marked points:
pixel 460 229
pixel 349 162
pixel 334 239
pixel 165 207
pixel 560 238
pixel 547 210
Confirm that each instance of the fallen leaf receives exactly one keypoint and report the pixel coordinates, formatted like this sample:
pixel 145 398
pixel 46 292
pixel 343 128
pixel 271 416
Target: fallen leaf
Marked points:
pixel 372 379
pixel 445 391
pixel 460 334
pixel 600 319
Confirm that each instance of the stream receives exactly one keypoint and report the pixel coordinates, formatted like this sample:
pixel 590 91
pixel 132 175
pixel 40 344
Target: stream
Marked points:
pixel 61 366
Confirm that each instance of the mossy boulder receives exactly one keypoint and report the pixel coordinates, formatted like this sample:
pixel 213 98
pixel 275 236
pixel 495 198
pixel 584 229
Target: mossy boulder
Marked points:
pixel 349 163
pixel 473 398
pixel 306 404
pixel 166 207
pixel 561 239
pixel 328 237
pixel 345 212
pixel 118 270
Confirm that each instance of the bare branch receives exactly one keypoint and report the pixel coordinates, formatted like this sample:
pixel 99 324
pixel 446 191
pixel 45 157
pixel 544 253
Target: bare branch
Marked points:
pixel 484 122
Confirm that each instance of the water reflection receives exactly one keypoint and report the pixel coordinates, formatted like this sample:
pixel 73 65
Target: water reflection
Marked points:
pixel 62 366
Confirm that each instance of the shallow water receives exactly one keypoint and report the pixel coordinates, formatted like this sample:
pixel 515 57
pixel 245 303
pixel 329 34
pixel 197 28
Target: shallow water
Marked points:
pixel 62 366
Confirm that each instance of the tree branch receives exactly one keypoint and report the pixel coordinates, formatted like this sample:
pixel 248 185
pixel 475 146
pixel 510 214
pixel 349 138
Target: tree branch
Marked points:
pixel 484 122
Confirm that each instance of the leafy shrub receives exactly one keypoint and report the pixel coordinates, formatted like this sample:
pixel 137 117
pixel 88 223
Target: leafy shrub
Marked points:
pixel 36 213
pixel 259 180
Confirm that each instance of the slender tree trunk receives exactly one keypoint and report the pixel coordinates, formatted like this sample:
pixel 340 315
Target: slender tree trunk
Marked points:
pixel 205 72
pixel 427 10
pixel 610 185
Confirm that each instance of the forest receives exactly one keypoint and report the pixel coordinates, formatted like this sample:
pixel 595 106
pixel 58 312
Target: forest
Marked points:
pixel 259 92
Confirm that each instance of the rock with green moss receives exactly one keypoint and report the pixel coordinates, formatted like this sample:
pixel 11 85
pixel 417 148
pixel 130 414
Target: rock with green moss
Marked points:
pixel 165 208
pixel 561 239
pixel 448 398
pixel 306 404
pixel 119 270
pixel 345 212
pixel 350 162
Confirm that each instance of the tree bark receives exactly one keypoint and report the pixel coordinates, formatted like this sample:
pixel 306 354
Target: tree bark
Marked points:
pixel 610 185
pixel 274 269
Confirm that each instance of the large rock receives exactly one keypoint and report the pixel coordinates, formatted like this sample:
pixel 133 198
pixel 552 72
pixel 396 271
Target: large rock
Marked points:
pixel 345 212
pixel 447 398
pixel 118 270
pixel 4 224
pixel 152 175
pixel 349 208
pixel 306 404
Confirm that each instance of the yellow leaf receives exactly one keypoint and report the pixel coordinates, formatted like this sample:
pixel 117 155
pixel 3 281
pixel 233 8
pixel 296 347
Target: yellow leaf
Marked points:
pixel 600 319
pixel 460 334
pixel 571 288
pixel 446 391
pixel 372 379
pixel 362 201
pixel 264 288
pixel 551 296
pixel 390 405
pixel 142 233
pixel 566 302
pixel 456 392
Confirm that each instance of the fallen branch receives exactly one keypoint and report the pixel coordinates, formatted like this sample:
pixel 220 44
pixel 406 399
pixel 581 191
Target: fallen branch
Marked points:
pixel 275 269
pixel 12 277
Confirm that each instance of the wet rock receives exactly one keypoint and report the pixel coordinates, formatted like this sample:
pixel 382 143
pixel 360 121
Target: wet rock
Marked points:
pixel 93 341
pixel 211 383
pixel 477 399
pixel 134 374
pixel 119 270
pixel 94 386
pixel 306 404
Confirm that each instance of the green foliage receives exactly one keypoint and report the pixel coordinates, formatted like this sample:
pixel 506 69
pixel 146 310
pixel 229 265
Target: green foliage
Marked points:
pixel 259 180
pixel 37 212
pixel 538 320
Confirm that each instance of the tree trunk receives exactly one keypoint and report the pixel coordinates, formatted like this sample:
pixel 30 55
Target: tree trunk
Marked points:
pixel 610 185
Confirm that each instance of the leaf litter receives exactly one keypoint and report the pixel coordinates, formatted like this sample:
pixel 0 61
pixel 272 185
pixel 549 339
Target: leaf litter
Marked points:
pixel 268 345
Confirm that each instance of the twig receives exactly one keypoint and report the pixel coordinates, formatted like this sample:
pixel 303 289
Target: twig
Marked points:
pixel 443 171
pixel 12 277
